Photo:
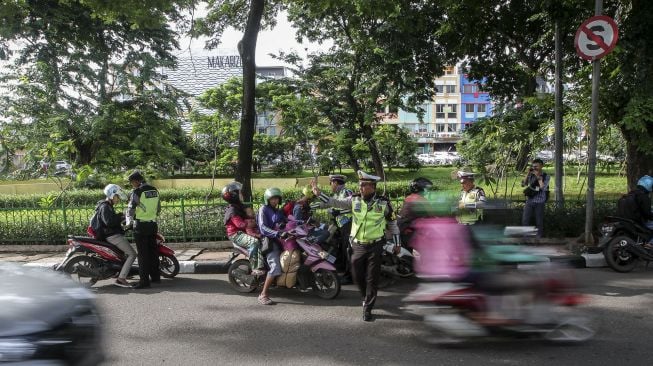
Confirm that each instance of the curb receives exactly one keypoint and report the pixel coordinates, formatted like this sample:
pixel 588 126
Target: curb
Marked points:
pixel 186 267
pixel 225 244
pixel 221 267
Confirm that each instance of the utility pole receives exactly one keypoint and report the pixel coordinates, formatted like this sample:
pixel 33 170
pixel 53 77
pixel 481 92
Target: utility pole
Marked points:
pixel 559 143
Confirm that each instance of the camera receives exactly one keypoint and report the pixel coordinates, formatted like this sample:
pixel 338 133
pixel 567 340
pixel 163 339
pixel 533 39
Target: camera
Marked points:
pixel 530 169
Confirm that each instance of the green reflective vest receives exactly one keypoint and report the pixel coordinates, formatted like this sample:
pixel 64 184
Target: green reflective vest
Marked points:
pixel 368 225
pixel 469 215
pixel 148 203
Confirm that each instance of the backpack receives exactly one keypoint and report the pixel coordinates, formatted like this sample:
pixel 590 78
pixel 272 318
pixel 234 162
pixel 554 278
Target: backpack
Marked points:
pixel 95 227
pixel 627 206
pixel 288 207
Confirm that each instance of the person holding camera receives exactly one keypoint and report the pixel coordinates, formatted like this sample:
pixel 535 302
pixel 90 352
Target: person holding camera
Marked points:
pixel 537 193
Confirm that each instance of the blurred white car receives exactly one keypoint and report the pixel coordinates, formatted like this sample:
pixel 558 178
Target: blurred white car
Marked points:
pixel 62 165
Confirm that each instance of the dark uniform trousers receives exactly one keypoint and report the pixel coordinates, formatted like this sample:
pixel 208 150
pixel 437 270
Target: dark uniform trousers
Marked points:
pixel 148 256
pixel 344 252
pixel 366 270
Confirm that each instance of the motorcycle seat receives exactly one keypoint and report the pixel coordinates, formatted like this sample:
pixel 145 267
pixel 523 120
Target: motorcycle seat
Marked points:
pixel 637 225
pixel 88 239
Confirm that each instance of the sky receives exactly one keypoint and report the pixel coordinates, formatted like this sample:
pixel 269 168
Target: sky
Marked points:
pixel 282 37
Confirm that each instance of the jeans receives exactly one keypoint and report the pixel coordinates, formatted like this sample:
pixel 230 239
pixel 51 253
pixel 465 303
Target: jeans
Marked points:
pixel 534 210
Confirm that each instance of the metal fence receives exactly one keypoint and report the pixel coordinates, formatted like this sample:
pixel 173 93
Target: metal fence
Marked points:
pixel 190 220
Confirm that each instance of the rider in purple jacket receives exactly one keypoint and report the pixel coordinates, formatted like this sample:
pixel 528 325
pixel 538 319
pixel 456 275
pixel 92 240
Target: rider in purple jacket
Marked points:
pixel 270 217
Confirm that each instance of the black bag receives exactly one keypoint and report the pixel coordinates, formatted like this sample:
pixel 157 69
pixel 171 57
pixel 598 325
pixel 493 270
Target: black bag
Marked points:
pixel 530 191
pixel 96 225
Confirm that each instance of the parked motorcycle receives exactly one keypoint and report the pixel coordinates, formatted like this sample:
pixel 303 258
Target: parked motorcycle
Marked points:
pixel 316 270
pixel 89 260
pixel 623 243
pixel 545 307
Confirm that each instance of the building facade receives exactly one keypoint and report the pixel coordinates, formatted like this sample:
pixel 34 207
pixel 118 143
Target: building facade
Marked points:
pixel 457 103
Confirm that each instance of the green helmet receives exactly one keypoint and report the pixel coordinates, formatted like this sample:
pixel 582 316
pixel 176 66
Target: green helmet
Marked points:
pixel 271 192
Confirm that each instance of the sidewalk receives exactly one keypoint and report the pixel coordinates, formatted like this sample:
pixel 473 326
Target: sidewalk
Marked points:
pixel 205 258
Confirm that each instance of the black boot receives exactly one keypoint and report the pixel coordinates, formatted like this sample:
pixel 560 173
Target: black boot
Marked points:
pixel 367 315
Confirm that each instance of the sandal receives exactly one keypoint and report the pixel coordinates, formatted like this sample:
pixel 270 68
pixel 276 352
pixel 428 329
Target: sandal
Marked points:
pixel 123 283
pixel 264 300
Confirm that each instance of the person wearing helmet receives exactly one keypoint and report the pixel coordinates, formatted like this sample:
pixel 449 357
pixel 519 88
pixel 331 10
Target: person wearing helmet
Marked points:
pixel 142 211
pixel 302 209
pixel 409 210
pixel 236 221
pixel 537 193
pixel 341 219
pixel 271 219
pixel 472 200
pixel 636 205
pixel 111 229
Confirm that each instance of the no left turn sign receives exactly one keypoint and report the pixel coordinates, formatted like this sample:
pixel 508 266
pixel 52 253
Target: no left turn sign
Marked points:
pixel 596 37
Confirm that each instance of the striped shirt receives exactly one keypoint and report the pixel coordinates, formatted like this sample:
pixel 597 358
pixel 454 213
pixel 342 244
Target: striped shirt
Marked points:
pixel 540 196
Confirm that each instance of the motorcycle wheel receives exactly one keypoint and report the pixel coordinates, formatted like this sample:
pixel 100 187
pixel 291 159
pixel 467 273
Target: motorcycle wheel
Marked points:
pixel 574 330
pixel 76 269
pixel 242 266
pixel 405 267
pixel 327 284
pixel 168 265
pixel 617 257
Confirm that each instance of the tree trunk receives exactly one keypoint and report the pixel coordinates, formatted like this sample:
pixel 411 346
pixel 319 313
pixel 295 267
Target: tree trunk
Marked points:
pixel 247 50
pixel 638 163
pixel 374 151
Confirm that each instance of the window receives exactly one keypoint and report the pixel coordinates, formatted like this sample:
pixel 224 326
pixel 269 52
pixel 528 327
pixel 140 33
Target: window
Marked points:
pixel 452 127
pixel 449 88
pixel 469 111
pixel 439 110
pixel 466 125
pixel 452 110
pixel 261 131
pixel 449 70
pixel 440 88
pixel 470 88
pixel 439 127
pixel 482 109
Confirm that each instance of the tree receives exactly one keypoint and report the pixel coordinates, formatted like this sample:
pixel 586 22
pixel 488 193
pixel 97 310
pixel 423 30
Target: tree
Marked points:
pixel 382 50
pixel 82 70
pixel 395 145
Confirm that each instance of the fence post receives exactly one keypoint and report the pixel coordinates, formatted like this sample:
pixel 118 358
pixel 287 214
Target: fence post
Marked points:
pixel 65 219
pixel 183 221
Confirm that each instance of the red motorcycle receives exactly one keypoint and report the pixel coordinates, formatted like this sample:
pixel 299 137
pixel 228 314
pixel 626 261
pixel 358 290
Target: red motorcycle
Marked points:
pixel 89 260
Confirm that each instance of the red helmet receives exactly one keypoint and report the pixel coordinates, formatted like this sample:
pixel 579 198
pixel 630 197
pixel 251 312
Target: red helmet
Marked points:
pixel 231 192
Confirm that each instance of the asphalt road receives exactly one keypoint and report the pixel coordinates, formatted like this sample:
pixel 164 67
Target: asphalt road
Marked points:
pixel 200 320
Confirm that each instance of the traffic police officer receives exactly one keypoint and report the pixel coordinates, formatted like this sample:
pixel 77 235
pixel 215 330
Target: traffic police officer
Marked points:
pixel 372 215
pixel 342 222
pixel 472 200
pixel 143 208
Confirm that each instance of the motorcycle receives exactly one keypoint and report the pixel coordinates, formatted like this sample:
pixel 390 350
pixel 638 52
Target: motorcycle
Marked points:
pixel 395 265
pixel 543 305
pixel 89 260
pixel 316 269
pixel 623 243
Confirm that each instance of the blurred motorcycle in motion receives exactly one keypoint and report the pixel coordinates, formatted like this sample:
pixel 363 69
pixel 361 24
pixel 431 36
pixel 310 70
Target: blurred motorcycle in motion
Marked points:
pixel 475 291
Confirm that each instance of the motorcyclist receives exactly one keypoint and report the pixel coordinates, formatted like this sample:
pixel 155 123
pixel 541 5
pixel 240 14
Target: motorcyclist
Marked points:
pixel 270 220
pixel 235 221
pixel 111 227
pixel 636 205
pixel 411 208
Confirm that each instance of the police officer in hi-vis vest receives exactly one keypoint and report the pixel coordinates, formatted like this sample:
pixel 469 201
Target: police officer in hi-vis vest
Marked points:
pixel 472 200
pixel 142 211
pixel 372 215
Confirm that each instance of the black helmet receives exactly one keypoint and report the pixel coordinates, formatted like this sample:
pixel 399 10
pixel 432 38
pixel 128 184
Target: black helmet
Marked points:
pixel 136 175
pixel 420 184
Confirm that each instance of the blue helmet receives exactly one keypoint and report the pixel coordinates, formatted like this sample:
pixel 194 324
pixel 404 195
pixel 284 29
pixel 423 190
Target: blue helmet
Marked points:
pixel 646 182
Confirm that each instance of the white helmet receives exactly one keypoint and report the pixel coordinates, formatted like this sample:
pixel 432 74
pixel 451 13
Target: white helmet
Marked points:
pixel 113 189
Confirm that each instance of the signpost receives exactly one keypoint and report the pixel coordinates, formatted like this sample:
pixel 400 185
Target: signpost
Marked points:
pixel 595 38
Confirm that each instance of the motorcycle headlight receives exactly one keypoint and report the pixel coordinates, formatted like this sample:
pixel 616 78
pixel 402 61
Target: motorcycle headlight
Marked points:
pixel 607 229
pixel 16 349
